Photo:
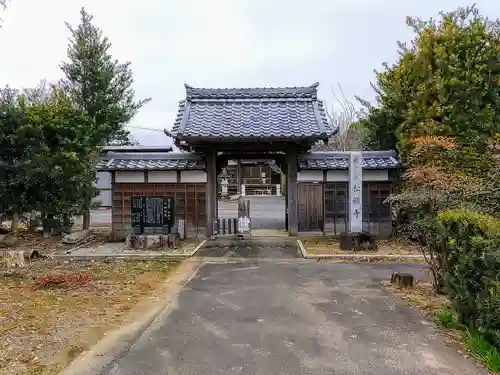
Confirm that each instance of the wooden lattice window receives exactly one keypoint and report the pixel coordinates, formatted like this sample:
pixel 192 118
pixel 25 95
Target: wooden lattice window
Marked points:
pixel 336 202
pixel 374 205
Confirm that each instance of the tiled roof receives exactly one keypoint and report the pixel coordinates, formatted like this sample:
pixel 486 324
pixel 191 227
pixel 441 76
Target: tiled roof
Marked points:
pixel 340 160
pixel 289 112
pixel 145 161
pixel 191 161
pixel 309 92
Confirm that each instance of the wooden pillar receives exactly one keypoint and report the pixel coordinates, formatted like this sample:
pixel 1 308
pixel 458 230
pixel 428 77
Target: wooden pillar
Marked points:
pixel 211 198
pixel 291 162
pixel 238 176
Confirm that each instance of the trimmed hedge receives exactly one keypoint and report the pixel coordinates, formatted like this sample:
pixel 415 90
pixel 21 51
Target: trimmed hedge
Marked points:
pixel 469 250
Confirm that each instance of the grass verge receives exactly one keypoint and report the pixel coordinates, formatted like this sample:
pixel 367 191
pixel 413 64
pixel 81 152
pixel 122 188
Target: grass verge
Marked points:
pixel 51 312
pixel 437 309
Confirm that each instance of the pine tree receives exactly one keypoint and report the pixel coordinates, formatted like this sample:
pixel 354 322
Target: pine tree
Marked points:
pixel 100 86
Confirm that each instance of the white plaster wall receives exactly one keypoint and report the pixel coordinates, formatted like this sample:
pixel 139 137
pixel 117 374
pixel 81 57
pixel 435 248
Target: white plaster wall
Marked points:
pixel 103 180
pixel 162 176
pixel 376 175
pixel 337 175
pixel 193 176
pixel 368 175
pixel 311 175
pixel 129 176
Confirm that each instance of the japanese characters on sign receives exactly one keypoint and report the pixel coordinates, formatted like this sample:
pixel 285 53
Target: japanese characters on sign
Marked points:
pixel 152 212
pixel 355 192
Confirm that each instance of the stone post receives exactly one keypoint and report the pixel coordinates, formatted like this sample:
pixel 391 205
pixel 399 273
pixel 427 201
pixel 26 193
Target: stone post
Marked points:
pixel 355 192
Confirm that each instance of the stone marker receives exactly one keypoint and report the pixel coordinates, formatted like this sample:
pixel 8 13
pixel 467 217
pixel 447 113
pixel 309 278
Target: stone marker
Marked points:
pixel 153 241
pixel 355 192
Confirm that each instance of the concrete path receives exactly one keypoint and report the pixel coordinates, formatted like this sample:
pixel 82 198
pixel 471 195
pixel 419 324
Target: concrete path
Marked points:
pixel 265 247
pixel 294 318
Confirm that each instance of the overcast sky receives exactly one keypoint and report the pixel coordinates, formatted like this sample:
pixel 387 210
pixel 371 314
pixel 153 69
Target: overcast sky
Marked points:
pixel 212 43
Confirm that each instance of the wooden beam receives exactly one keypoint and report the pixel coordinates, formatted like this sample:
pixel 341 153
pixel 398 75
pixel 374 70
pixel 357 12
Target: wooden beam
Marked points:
pixel 253 145
pixel 238 176
pixel 293 225
pixel 211 197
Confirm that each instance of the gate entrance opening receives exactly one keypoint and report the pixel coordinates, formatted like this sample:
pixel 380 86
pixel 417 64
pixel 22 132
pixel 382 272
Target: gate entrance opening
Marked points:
pixel 259 185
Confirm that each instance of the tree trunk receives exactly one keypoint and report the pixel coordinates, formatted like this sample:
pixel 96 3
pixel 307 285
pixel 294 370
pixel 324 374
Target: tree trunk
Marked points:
pixel 14 259
pixel 15 224
pixel 18 258
pixel 86 214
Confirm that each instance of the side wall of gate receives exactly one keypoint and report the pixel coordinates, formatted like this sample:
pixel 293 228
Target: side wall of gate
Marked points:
pixel 323 202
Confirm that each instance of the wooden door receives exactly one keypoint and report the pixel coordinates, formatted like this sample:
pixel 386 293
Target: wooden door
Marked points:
pixel 310 207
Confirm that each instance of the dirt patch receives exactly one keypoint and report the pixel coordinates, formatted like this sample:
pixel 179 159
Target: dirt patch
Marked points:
pixel 48 246
pixel 422 296
pixel 31 241
pixel 51 311
pixel 330 245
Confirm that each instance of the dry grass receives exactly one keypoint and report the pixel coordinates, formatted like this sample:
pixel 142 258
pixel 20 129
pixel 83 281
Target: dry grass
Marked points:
pixel 31 241
pixel 43 329
pixel 330 245
pixel 35 241
pixel 422 296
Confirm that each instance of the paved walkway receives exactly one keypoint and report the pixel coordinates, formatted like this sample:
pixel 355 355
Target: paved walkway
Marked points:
pixel 274 248
pixel 291 318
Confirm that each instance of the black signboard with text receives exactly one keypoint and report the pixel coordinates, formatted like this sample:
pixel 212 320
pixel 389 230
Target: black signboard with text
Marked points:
pixel 150 211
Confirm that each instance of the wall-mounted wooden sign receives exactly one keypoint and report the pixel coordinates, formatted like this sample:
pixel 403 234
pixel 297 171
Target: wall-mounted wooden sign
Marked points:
pixel 148 211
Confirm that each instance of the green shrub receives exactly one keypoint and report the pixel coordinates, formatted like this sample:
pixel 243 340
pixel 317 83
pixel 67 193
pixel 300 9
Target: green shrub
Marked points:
pixel 469 249
pixel 483 350
pixel 445 318
pixel 488 319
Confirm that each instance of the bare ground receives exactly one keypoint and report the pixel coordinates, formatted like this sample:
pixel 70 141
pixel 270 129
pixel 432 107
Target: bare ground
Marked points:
pixel 44 326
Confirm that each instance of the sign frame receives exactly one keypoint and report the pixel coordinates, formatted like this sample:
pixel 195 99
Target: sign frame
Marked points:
pixel 142 209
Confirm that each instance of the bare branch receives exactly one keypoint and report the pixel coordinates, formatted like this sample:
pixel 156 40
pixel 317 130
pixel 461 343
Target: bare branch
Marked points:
pixel 3 4
pixel 347 137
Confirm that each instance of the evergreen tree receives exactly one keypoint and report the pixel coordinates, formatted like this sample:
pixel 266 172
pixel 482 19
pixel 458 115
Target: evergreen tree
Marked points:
pixel 445 83
pixel 100 86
